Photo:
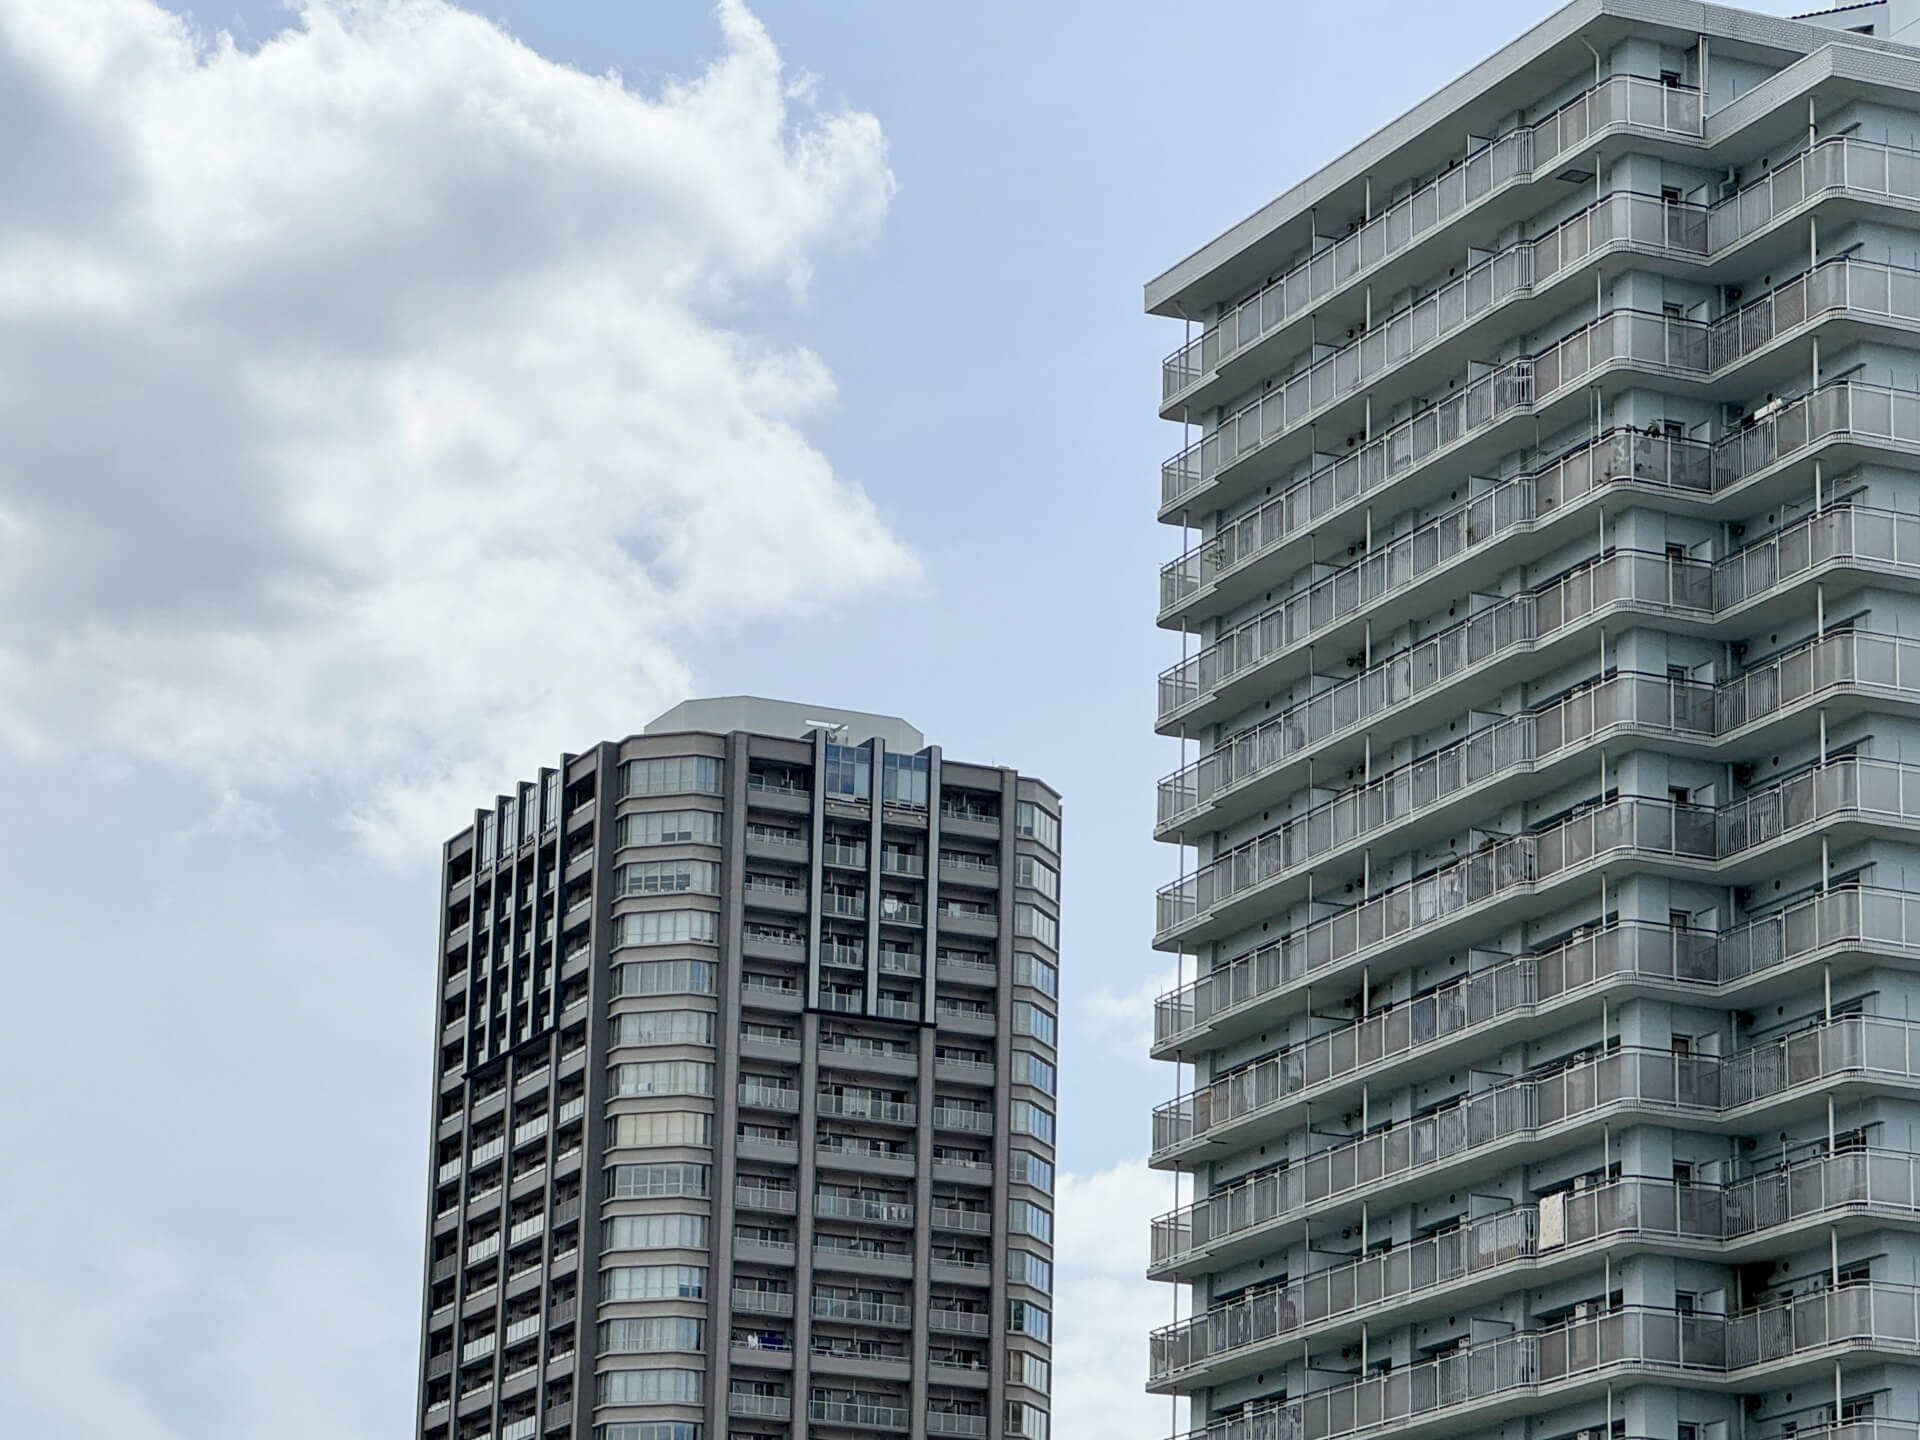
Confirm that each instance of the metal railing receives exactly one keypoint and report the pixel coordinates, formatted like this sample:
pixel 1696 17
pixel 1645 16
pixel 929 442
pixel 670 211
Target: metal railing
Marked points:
pixel 762 1302
pixel 863 1312
pixel 1850 786
pixel 1619 99
pixel 1876 1316
pixel 1519 1108
pixel 1857 535
pixel 1887 1181
pixel 856 1106
pixel 1628 950
pixel 850 1207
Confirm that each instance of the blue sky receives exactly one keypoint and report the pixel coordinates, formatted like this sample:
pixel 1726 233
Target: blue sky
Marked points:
pixel 278 339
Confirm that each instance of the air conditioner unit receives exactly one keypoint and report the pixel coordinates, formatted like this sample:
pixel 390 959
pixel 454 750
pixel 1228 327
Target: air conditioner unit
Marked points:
pixel 1584 1310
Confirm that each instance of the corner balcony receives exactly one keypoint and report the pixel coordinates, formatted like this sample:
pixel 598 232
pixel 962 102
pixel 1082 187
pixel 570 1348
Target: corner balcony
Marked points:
pixel 1736 966
pixel 1516 758
pixel 1529 1245
pixel 1482 1384
pixel 1469 189
pixel 1745 840
pixel 1520 1120
pixel 1407 691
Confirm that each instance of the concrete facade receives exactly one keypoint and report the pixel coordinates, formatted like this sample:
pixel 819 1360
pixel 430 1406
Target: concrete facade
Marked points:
pixel 1549 906
pixel 744 1092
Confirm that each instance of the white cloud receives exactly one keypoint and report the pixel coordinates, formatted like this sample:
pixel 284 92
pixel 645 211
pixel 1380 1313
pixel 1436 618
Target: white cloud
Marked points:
pixel 1104 1307
pixel 1120 1022
pixel 389 407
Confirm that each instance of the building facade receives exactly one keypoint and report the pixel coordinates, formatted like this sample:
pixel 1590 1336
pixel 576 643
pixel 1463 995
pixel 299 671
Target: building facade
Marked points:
pixel 1549 796
pixel 743 1097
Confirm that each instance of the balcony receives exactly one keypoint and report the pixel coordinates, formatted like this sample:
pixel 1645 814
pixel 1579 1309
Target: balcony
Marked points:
pixel 1504 1120
pixel 861 1312
pixel 1841 164
pixel 1512 158
pixel 952 1422
pixel 849 1207
pixel 1496 1253
pixel 1504 1376
pixel 863 1415
pixel 1629 953
pixel 763 1302
pixel 1658 833
pixel 763 1197
pixel 947 1117
pixel 959 1322
pixel 867 1107
pixel 769 1097
pixel 759 1407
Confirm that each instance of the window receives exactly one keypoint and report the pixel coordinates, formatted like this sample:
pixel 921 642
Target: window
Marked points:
pixel 645 1182
pixel 663 1077
pixel 486 839
pixel 1032 970
pixel 650 1334
pixel 1032 1020
pixel 550 806
pixel 668 927
pixel 1029 1370
pixel 662 1027
pixel 1032 921
pixel 1030 822
pixel 650 1387
pixel 653 1282
pixel 1029 1169
pixel 663 977
pixel 848 771
pixel 671 827
pixel 649 1430
pixel 1037 875
pixel 1027 1421
pixel 654 1232
pixel 903 781
pixel 1026 1319
pixel 670 1127
pixel 674 775
pixel 1029 1069
pixel 670 877
pixel 1025 1268
pixel 1030 1119
pixel 509 825
pixel 1026 1218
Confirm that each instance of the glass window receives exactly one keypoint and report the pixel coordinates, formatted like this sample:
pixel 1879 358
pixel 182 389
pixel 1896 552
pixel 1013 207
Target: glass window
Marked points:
pixel 650 1334
pixel 1037 875
pixel 653 1282
pixel 649 1430
pixel 1027 1422
pixel 1030 1019
pixel 903 781
pixel 654 1232
pixel 1030 1069
pixel 1030 1119
pixel 551 806
pixel 671 827
pixel 650 1387
pixel 670 877
pixel 646 1182
pixel 509 825
pixel 1029 1169
pixel 486 839
pixel 1026 1218
pixel 668 1127
pixel 1032 921
pixel 1027 1319
pixel 663 977
pixel 1033 823
pixel 663 1077
pixel 1029 1370
pixel 669 927
pixel 662 1027
pixel 1026 1268
pixel 849 771
pixel 529 813
pixel 674 775
pixel 1032 970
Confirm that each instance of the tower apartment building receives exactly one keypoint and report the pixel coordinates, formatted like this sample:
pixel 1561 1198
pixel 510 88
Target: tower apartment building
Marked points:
pixel 744 1091
pixel 1549 796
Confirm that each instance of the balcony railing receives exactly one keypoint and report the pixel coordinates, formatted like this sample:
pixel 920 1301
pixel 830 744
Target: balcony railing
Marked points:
pixel 1529 1105
pixel 847 1412
pixel 1619 99
pixel 763 1302
pixel 1634 1338
pixel 769 1097
pixel 1869 538
pixel 1882 1180
pixel 764 1407
pixel 1630 950
pixel 851 1207
pixel 979 1122
pixel 867 1107
pixel 862 1312
pixel 1850 787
